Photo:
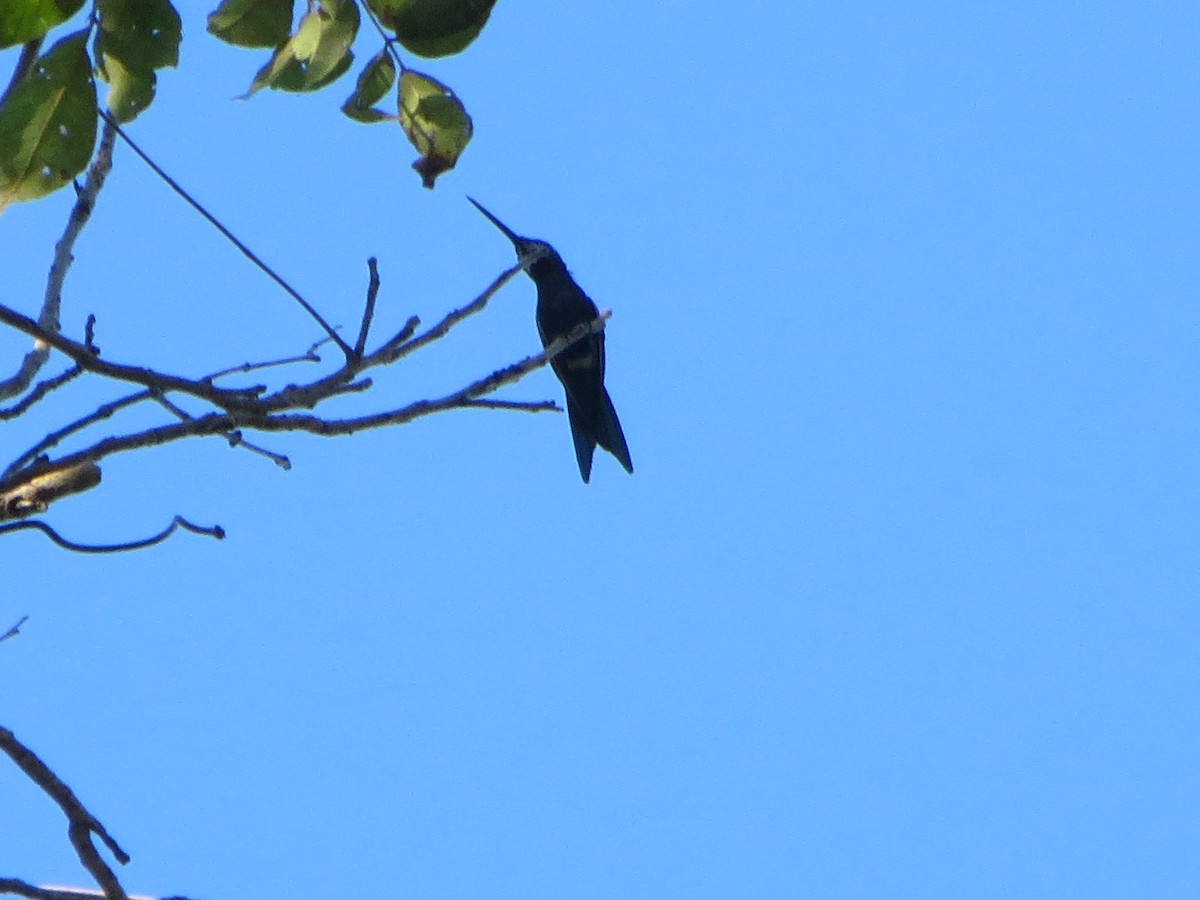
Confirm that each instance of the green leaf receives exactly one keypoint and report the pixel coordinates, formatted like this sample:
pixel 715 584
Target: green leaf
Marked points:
pixel 299 80
pixel 129 91
pixel 145 34
pixel 48 123
pixel 28 20
pixel 434 27
pixel 374 81
pixel 135 37
pixel 252 23
pixel 317 54
pixel 436 123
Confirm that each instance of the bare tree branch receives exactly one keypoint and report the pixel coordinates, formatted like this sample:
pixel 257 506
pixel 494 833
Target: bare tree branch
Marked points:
pixel 81 824
pixel 47 321
pixel 29 487
pixel 24 889
pixel 464 398
pixel 246 399
pixel 107 410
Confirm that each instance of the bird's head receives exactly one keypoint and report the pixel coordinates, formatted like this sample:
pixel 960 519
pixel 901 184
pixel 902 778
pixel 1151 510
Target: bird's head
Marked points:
pixel 529 251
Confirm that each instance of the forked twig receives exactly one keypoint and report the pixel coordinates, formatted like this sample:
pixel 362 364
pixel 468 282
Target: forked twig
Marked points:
pixel 81 824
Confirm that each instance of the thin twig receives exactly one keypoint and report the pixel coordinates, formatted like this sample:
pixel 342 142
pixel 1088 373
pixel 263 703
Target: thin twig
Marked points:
pixel 516 405
pixel 53 439
pixel 384 355
pixel 15 630
pixel 387 41
pixel 40 390
pixel 177 411
pixel 216 531
pixel 237 439
pixel 89 334
pixel 368 308
pixel 29 52
pixel 245 368
pixel 242 398
pixel 229 235
pixel 448 321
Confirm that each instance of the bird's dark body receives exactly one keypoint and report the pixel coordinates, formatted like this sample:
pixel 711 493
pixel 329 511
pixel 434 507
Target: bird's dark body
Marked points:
pixel 562 305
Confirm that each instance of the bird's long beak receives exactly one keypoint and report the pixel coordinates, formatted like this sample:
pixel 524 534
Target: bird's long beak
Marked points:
pixel 508 232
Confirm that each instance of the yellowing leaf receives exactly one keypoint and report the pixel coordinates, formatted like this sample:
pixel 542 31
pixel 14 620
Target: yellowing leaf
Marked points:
pixel 134 38
pixel 129 92
pixel 317 54
pixel 436 123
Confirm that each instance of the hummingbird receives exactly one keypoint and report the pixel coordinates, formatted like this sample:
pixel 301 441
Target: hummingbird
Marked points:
pixel 561 305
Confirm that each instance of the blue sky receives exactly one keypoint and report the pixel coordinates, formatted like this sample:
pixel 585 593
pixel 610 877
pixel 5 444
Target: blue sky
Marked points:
pixel 902 599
